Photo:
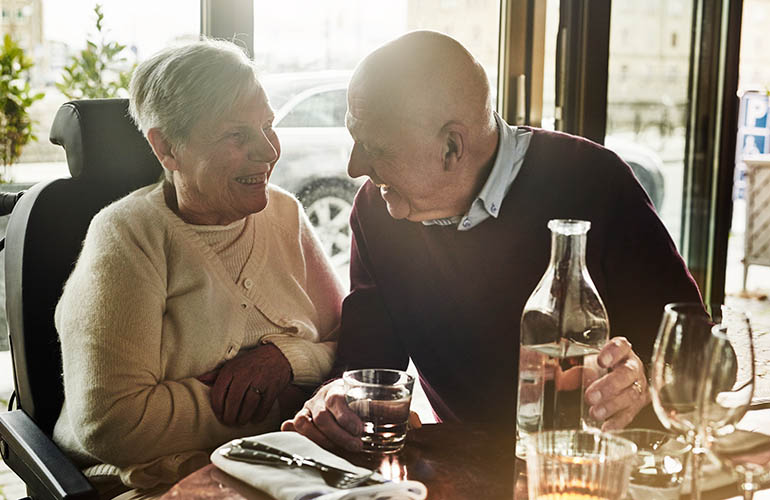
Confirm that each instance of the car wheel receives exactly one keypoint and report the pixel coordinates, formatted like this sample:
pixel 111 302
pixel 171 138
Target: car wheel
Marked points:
pixel 327 204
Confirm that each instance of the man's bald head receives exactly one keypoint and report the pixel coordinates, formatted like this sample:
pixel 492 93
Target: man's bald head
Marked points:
pixel 428 77
pixel 422 125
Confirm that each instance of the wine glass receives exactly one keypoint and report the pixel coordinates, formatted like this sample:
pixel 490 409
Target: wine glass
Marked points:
pixel 702 376
pixel 748 454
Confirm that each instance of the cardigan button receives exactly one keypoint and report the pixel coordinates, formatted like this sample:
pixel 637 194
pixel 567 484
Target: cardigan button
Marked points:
pixel 244 305
pixel 247 283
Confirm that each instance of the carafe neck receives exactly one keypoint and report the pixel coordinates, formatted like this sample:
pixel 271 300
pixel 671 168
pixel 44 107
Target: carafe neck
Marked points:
pixel 568 252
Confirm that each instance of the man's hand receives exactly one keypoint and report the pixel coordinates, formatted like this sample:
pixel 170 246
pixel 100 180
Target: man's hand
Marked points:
pixel 326 419
pixel 245 387
pixel 617 397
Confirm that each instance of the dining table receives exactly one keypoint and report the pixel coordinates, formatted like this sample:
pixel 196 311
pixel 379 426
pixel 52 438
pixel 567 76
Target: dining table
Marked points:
pixel 454 461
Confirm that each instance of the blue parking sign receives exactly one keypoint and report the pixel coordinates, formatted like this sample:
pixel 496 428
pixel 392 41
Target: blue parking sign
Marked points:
pixel 753 135
pixel 753 111
pixel 753 144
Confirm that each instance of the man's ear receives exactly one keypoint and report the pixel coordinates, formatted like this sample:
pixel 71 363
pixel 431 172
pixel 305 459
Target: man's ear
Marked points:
pixel 163 149
pixel 454 145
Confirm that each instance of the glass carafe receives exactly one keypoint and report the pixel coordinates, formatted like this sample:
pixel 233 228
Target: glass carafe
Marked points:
pixel 563 326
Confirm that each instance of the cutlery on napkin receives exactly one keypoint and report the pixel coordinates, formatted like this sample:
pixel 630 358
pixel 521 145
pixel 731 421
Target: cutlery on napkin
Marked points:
pixel 285 483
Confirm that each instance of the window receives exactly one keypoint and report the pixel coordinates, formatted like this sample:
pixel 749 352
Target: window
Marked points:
pixel 647 100
pixel 322 109
pixel 51 32
pixel 746 278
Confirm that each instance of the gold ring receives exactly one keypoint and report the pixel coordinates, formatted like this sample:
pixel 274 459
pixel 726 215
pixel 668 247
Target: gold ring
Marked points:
pixel 638 387
pixel 255 389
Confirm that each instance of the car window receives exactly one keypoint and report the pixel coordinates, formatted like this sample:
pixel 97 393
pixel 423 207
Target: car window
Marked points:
pixel 324 109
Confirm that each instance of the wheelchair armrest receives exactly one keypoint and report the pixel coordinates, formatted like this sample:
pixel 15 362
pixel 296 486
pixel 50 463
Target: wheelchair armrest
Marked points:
pixel 31 454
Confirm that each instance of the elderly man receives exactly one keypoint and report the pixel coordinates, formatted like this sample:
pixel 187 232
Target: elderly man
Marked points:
pixel 450 238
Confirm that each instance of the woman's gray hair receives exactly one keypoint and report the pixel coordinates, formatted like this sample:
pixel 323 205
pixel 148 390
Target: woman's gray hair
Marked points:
pixel 183 85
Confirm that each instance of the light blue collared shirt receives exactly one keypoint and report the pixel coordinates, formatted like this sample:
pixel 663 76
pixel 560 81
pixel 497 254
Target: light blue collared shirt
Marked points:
pixel 511 149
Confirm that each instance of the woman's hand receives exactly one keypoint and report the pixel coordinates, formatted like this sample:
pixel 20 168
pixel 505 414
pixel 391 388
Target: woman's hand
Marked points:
pixel 246 387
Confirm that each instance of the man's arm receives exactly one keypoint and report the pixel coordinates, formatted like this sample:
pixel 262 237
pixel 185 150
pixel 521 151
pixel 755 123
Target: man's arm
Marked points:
pixel 644 272
pixel 643 268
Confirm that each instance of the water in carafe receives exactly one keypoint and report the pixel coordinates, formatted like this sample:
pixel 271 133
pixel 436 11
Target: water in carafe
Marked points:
pixel 564 325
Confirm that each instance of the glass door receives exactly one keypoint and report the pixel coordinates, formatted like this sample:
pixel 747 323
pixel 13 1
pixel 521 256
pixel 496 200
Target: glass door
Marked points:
pixel 647 97
pixel 669 68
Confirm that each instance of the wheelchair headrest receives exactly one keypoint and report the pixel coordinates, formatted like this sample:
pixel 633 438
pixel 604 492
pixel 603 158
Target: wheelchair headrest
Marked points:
pixel 102 143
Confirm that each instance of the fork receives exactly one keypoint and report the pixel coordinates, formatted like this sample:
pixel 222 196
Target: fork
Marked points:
pixel 333 476
pixel 259 446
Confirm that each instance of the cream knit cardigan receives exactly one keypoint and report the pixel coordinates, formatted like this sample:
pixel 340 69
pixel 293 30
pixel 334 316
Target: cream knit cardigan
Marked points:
pixel 150 306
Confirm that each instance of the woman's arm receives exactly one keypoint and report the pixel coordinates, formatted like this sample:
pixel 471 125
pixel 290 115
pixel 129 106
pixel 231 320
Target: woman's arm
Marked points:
pixel 311 361
pixel 120 408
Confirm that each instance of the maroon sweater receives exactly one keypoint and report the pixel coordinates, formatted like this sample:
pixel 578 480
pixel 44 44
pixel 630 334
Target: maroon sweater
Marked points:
pixel 452 300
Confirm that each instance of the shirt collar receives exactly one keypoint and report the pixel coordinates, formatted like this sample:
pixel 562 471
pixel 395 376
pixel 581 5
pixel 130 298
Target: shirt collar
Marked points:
pixel 504 169
pixel 512 145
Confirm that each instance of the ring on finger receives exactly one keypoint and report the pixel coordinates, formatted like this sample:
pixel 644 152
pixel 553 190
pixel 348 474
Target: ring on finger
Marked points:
pixel 638 387
pixel 256 389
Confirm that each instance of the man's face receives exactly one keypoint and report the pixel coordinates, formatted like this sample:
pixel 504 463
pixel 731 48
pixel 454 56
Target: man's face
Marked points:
pixel 403 159
pixel 225 167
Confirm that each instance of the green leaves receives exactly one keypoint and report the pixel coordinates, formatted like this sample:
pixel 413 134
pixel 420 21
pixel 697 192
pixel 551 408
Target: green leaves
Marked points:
pixel 98 71
pixel 15 99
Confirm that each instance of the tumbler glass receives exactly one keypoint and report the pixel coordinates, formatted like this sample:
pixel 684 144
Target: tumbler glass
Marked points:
pixel 578 464
pixel 381 398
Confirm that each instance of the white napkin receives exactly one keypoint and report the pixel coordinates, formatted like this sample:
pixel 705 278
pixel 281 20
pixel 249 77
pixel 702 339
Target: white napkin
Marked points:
pixel 285 483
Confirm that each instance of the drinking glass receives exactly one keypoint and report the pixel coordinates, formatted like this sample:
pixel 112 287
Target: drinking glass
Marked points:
pixel 748 455
pixel 659 468
pixel 381 398
pixel 578 464
pixel 702 376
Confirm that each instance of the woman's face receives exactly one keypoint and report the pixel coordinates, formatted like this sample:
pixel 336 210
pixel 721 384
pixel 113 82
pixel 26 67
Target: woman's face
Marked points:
pixel 223 171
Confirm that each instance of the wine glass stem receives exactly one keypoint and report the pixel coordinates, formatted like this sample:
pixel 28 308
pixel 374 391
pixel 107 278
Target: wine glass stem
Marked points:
pixel 748 486
pixel 697 459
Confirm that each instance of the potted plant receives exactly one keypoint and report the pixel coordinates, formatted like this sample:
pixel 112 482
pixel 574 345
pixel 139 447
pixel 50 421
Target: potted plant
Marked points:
pixel 15 99
pixel 99 70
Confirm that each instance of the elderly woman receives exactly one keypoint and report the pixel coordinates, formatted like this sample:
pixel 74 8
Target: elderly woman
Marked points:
pixel 199 305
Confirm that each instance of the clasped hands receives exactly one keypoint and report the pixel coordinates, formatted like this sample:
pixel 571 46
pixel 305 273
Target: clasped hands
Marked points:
pixel 614 400
pixel 245 388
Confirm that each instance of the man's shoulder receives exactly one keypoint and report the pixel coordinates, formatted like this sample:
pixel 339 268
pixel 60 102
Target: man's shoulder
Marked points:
pixel 553 142
pixel 571 158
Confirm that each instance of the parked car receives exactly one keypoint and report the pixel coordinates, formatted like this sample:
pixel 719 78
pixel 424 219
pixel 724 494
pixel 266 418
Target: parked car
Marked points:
pixel 310 122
